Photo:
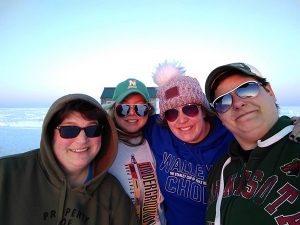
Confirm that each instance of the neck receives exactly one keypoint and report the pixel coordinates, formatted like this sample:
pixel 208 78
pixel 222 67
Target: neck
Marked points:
pixel 131 139
pixel 246 144
pixel 77 178
pixel 248 140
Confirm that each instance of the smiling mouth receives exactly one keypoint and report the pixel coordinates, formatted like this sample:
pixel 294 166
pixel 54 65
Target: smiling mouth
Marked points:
pixel 185 128
pixel 131 121
pixel 244 115
pixel 78 150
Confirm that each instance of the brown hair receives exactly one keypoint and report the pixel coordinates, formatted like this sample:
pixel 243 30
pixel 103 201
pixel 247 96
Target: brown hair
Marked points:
pixel 87 110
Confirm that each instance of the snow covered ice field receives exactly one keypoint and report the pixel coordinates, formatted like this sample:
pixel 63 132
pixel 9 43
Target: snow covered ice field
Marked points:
pixel 20 128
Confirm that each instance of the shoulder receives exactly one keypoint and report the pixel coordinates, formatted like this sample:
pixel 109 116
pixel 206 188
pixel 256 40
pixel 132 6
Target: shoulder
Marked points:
pixel 111 184
pixel 215 171
pixel 153 127
pixel 214 177
pixel 21 158
pixel 15 169
pixel 218 125
pixel 112 191
pixel 152 121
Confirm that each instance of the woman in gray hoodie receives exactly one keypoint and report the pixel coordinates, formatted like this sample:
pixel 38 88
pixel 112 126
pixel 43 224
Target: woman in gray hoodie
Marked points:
pixel 66 180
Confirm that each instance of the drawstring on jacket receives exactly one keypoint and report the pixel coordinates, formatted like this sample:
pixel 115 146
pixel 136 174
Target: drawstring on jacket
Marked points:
pixel 220 195
pixel 276 137
pixel 62 200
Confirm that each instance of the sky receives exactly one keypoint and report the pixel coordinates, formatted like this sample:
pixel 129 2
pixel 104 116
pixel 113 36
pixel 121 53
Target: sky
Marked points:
pixel 51 48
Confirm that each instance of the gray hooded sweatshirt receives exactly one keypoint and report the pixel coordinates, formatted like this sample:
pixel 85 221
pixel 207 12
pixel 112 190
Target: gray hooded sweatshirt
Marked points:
pixel 35 191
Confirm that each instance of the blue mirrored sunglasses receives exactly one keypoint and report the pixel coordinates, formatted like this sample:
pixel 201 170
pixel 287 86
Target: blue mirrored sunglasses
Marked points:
pixel 123 110
pixel 247 89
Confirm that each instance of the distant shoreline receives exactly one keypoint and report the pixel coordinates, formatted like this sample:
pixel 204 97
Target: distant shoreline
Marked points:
pixel 20 128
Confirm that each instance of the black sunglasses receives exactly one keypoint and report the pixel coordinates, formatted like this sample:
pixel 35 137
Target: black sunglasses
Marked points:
pixel 190 110
pixel 248 89
pixel 123 110
pixel 73 131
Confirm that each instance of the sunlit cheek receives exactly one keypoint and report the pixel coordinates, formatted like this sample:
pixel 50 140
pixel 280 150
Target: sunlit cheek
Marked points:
pixel 197 122
pixel 61 145
pixel 171 125
pixel 143 120
pixel 121 122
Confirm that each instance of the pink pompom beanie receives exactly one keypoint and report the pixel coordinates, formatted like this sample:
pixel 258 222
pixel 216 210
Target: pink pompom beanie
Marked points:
pixel 175 89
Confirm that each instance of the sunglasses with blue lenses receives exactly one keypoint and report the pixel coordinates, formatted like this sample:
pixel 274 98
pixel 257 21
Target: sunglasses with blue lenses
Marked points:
pixel 248 89
pixel 123 110
pixel 189 110
pixel 73 131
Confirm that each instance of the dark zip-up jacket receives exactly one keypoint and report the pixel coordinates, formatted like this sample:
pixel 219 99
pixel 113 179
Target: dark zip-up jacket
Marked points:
pixel 34 189
pixel 263 190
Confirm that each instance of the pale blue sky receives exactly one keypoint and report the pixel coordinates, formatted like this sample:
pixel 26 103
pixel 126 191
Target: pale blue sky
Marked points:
pixel 51 48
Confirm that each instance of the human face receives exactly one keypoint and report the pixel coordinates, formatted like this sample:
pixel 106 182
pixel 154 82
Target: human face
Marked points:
pixel 248 119
pixel 133 122
pixel 190 129
pixel 76 153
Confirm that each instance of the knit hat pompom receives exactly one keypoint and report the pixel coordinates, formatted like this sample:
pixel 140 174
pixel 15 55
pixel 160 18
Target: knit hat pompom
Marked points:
pixel 176 89
pixel 167 71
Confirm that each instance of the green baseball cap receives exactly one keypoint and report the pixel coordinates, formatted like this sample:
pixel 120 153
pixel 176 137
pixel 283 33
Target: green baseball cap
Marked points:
pixel 128 87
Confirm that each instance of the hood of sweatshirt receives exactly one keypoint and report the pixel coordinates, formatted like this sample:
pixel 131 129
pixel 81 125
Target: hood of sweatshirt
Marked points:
pixel 102 161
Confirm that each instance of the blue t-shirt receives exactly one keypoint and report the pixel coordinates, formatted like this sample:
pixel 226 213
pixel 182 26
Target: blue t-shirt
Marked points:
pixel 90 174
pixel 182 169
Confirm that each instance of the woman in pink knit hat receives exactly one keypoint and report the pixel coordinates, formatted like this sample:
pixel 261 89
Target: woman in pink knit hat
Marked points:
pixel 187 139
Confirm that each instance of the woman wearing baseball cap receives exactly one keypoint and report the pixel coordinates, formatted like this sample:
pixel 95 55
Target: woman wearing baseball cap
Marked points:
pixel 134 165
pixel 189 140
